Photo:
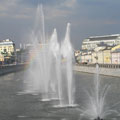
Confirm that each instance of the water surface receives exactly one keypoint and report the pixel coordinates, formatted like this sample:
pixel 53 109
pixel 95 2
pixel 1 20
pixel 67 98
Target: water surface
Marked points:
pixel 29 107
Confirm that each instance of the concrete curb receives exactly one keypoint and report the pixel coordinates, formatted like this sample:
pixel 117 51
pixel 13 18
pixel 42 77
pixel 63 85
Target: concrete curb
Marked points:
pixel 102 71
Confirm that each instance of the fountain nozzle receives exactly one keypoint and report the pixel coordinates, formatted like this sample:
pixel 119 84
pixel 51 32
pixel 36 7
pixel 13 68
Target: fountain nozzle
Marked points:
pixel 98 118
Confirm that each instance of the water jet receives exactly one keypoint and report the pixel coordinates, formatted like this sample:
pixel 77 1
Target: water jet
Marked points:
pixel 45 73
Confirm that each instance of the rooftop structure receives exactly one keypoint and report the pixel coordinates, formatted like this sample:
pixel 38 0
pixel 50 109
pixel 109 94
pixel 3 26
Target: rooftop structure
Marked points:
pixel 107 40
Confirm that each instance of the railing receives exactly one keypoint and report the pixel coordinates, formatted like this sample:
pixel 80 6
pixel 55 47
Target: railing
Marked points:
pixel 112 66
pixel 5 69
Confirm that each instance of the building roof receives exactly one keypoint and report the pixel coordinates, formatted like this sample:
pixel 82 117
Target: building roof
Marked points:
pixel 116 47
pixel 105 37
pixel 107 48
pixel 116 51
pixel 6 42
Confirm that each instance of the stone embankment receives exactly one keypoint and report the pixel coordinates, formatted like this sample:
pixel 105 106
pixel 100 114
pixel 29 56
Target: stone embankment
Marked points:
pixel 104 69
pixel 5 69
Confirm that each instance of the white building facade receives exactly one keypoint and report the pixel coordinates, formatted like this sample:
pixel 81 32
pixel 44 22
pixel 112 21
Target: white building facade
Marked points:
pixel 107 40
pixel 7 50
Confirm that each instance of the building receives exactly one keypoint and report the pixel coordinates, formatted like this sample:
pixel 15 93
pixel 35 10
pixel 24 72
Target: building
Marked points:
pixel 100 56
pixel 77 53
pixel 107 56
pixel 7 50
pixel 93 42
pixel 1 59
pixel 7 46
pixel 100 49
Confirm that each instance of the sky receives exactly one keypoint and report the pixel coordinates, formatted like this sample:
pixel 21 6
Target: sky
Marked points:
pixel 87 18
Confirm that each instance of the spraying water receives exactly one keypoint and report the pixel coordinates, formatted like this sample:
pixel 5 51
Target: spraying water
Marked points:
pixel 96 107
pixel 44 75
pixel 67 53
pixel 38 72
pixel 56 60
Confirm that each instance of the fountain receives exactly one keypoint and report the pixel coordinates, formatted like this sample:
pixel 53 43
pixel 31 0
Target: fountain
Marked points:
pixel 50 73
pixel 55 60
pixel 96 107
pixel 67 54
pixel 45 72
pixel 37 78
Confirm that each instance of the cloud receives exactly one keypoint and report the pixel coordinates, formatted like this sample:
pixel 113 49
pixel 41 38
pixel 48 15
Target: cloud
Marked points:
pixel 69 3
pixel 13 9
pixel 23 9
pixel 61 9
pixel 21 16
pixel 111 22
pixel 55 12
pixel 5 5
pixel 88 17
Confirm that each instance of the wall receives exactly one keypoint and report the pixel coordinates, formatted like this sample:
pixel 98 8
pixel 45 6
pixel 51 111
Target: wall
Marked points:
pixel 94 57
pixel 116 58
pixel 5 69
pixel 103 71
pixel 100 57
pixel 107 56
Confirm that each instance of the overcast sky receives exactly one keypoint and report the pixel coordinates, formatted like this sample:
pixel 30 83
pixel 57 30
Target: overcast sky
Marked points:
pixel 88 18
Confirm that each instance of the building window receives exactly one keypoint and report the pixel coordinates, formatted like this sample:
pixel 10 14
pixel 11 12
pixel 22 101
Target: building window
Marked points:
pixel 5 50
